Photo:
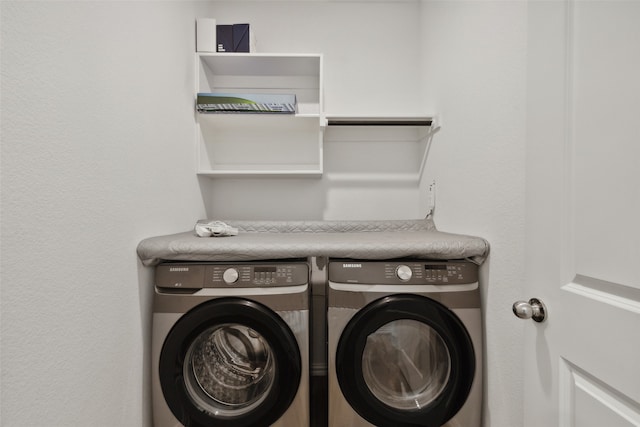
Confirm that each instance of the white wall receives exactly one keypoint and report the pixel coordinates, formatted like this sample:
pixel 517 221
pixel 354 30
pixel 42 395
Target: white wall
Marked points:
pixel 474 71
pixel 98 153
pixel 97 135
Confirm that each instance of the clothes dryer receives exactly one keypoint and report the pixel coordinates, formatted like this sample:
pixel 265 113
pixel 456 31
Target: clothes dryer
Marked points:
pixel 404 344
pixel 230 344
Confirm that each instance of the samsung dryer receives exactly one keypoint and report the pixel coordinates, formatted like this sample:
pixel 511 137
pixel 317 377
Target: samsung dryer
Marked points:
pixel 230 344
pixel 404 344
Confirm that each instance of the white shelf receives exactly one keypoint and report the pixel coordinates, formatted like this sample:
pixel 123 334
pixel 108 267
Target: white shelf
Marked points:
pixel 242 144
pixel 265 64
pixel 236 144
pixel 400 142
pixel 260 173
pixel 368 178
pixel 287 145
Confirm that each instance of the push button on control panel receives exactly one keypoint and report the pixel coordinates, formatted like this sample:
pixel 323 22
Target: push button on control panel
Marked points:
pixel 266 275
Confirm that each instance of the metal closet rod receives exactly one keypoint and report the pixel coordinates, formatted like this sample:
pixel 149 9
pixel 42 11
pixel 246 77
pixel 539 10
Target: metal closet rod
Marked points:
pixel 375 121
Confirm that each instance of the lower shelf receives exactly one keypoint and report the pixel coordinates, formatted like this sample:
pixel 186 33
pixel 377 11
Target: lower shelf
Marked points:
pixel 262 173
pixel 258 146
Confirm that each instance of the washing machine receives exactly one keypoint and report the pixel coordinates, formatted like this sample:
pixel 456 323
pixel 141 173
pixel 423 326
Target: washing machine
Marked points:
pixel 230 344
pixel 404 344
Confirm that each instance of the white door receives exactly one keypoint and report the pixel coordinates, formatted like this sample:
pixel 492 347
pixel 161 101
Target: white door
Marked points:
pixel 582 365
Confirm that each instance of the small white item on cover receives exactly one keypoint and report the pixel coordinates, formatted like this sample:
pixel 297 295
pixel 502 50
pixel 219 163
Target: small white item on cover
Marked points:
pixel 215 229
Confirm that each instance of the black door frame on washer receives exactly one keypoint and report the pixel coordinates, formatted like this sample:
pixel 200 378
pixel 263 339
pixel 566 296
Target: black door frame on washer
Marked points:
pixel 220 311
pixel 387 309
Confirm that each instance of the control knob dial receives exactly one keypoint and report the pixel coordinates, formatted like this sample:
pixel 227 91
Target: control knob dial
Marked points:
pixel 230 276
pixel 404 272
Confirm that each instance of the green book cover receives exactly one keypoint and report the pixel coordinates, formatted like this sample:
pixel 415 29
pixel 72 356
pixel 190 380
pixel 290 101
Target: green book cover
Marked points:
pixel 245 103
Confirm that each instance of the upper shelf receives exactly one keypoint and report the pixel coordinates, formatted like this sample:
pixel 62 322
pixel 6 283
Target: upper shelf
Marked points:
pixel 258 145
pixel 263 64
pixel 298 74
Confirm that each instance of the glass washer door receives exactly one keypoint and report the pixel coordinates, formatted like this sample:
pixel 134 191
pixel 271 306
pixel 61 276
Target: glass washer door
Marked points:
pixel 228 369
pixel 230 362
pixel 405 360
pixel 406 364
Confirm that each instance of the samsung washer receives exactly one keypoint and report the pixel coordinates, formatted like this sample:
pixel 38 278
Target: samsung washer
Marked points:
pixel 230 344
pixel 404 344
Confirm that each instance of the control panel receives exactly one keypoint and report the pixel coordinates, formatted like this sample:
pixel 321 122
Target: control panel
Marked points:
pixel 214 275
pixel 412 272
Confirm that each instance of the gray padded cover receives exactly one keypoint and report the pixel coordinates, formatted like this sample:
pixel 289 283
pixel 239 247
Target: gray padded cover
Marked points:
pixel 263 240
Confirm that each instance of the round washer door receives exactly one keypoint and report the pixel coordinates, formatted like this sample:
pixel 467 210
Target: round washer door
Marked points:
pixel 405 361
pixel 230 362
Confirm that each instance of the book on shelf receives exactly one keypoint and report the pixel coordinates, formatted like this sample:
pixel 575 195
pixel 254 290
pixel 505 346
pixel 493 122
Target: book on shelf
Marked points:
pixel 246 103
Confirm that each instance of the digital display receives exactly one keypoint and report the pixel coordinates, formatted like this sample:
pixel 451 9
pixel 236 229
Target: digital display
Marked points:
pixel 435 267
pixel 265 269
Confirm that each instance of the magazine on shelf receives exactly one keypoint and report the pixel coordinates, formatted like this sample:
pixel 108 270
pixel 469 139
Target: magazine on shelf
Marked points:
pixel 245 103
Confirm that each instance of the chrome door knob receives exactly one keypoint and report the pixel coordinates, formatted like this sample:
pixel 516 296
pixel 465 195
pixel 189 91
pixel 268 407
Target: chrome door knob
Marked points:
pixel 534 309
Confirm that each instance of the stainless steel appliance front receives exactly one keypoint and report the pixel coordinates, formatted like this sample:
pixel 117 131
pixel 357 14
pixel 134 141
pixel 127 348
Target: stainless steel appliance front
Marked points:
pixel 230 344
pixel 404 343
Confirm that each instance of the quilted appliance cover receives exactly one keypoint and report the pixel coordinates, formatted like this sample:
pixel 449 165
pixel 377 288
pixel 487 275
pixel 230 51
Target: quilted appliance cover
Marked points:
pixel 272 240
